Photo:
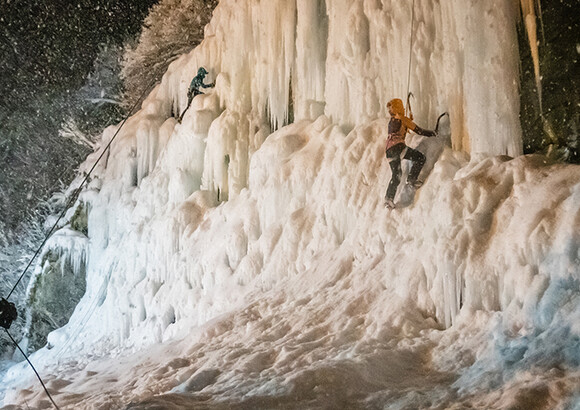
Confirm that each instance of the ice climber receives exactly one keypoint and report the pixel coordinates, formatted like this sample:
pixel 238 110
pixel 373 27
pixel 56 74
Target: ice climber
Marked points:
pixel 396 149
pixel 194 87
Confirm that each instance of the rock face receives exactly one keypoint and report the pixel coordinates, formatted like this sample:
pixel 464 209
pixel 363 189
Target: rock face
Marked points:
pixel 58 283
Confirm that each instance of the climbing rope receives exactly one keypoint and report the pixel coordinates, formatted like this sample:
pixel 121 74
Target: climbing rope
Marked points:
pixel 8 311
pixel 77 191
pixel 408 109
pixel 35 372
pixel 410 51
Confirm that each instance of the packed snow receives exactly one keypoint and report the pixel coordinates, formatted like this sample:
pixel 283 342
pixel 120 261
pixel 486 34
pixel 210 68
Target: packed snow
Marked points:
pixel 244 258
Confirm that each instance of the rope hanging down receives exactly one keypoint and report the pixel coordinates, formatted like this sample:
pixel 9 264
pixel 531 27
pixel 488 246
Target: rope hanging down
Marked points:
pixel 8 312
pixel 35 372
pixel 408 109
pixel 77 191
pixel 410 51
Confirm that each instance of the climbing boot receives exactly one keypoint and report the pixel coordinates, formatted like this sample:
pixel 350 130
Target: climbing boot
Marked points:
pixel 415 184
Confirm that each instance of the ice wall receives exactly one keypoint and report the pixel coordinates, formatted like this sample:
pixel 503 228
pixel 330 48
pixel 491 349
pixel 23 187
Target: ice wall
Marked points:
pixel 162 257
pixel 266 247
pixel 347 59
pixel 463 60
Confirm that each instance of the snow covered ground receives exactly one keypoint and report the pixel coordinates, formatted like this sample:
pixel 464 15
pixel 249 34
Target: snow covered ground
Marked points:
pixel 234 262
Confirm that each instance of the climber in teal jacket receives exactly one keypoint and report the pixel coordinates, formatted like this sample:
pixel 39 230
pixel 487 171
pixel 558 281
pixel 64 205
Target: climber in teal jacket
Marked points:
pixel 194 86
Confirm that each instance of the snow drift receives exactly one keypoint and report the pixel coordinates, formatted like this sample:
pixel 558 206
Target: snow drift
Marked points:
pixel 244 256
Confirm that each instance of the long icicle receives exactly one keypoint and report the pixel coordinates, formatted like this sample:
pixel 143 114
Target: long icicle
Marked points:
pixel 529 16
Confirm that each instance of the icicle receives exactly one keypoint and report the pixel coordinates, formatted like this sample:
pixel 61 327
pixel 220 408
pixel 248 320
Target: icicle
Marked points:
pixel 529 16
pixel 311 49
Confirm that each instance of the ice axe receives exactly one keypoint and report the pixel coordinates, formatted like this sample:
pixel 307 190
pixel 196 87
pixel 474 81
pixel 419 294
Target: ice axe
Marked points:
pixel 439 119
pixel 409 110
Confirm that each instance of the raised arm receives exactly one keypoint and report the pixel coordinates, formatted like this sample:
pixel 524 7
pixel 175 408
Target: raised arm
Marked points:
pixel 426 133
pixel 416 129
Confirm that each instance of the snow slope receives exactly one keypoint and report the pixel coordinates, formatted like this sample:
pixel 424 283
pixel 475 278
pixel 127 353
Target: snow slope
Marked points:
pixel 236 261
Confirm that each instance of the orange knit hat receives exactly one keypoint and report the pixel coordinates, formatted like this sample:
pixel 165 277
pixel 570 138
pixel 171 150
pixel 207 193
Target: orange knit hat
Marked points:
pixel 397 105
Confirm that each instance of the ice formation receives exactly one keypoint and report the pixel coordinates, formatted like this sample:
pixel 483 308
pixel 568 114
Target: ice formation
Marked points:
pixel 529 16
pixel 246 252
